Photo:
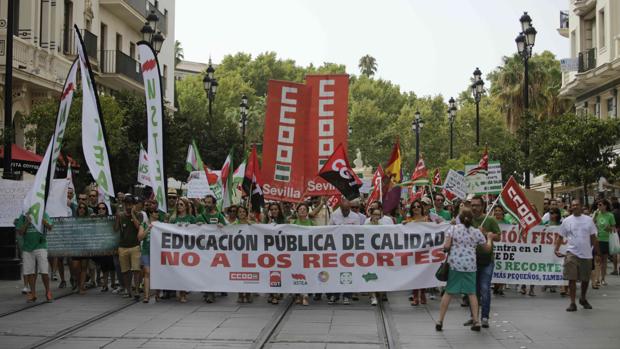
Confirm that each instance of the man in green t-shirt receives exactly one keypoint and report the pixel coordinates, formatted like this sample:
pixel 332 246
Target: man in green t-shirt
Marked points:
pixel 484 260
pixel 127 224
pixel 605 225
pixel 34 255
pixel 211 216
pixel 438 207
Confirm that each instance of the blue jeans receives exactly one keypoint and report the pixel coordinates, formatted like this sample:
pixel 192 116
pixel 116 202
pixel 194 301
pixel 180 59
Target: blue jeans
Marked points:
pixel 484 275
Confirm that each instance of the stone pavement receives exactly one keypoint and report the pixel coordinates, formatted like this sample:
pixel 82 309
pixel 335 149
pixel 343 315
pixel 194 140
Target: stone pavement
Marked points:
pixel 517 322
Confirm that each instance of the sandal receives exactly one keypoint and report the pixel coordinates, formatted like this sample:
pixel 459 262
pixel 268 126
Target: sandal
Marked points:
pixel 532 294
pixel 145 300
pixel 48 297
pixel 476 326
pixel 523 290
pixel 439 326
pixel 62 284
pixel 31 298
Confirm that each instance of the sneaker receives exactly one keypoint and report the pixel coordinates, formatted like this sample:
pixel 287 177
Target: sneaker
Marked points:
pixel 469 322
pixel 26 290
pixel 485 323
pixel 584 303
pixel 62 284
pixel 346 301
pixel 615 272
pixel 331 300
pixel 373 300
pixel 54 277
pixel 116 290
pixel 572 307
pixel 603 283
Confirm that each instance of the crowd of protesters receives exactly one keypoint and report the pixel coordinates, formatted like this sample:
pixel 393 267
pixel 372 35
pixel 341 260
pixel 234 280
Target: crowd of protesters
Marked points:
pixel 469 245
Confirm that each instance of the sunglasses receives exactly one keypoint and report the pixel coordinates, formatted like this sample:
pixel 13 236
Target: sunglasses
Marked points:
pixel 417 206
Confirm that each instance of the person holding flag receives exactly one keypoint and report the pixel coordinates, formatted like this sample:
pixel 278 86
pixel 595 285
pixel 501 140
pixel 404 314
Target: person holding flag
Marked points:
pixel 34 255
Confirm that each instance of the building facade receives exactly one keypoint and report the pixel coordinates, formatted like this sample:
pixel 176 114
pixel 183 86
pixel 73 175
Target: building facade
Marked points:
pixel 44 47
pixel 594 33
pixel 189 68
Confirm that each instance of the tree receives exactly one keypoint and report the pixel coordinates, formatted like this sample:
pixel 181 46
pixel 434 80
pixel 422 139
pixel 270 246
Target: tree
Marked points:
pixel 575 149
pixel 178 53
pixel 368 65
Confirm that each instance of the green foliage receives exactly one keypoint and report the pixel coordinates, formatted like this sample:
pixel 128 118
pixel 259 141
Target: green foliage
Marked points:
pixel 575 149
pixel 368 65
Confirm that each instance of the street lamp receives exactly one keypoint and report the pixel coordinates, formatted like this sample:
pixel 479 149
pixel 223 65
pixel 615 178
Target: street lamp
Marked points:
pixel 416 125
pixel 150 33
pixel 243 122
pixel 451 117
pixel 210 85
pixel 525 42
pixel 477 89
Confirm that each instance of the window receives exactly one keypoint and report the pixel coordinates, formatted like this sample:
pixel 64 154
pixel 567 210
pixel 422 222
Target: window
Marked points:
pixel 119 42
pixel 132 50
pixel 597 107
pixel 610 108
pixel 601 28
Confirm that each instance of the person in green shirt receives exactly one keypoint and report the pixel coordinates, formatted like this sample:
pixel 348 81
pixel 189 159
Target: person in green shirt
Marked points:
pixel 34 254
pixel 212 216
pixel 484 257
pixel 438 207
pixel 127 224
pixel 302 215
pixel 605 225
pixel 180 214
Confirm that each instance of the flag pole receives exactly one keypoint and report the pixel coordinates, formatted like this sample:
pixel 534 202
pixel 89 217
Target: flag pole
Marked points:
pixel 491 209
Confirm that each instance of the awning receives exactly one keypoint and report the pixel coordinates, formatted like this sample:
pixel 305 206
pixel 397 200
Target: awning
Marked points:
pixel 25 160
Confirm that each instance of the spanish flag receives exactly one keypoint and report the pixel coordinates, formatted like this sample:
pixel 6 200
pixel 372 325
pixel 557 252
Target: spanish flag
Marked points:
pixel 393 169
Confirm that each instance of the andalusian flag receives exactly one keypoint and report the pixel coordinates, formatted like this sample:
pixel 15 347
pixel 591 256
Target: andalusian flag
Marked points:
pixel 420 174
pixel 193 161
pixel 483 165
pixel 227 181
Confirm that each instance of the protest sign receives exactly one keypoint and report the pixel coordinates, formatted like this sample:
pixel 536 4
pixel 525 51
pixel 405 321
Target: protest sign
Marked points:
pixel 480 184
pixel 198 186
pixel 528 258
pixel 12 193
pixel 455 184
pixel 296 259
pixel 57 199
pixel 82 237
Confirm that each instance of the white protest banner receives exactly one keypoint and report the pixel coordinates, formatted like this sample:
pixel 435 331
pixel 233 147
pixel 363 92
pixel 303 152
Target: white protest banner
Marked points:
pixel 155 121
pixel 480 184
pixel 93 138
pixel 296 259
pixel 455 183
pixel 528 258
pixel 56 205
pixel 10 193
pixel 569 64
pixel 198 186
pixel 143 168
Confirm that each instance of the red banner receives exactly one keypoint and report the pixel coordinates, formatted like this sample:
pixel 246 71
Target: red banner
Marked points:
pixel 285 141
pixel 327 126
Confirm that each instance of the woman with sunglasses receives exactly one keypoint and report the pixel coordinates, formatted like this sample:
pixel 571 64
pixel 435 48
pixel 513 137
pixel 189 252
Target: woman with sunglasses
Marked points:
pixel 182 215
pixel 274 215
pixel 417 214
pixel 243 218
pixel 144 235
pixel 605 225
pixel 105 262
pixel 302 212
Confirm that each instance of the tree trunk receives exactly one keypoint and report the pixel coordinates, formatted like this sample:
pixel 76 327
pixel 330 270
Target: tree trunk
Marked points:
pixel 585 193
pixel 552 193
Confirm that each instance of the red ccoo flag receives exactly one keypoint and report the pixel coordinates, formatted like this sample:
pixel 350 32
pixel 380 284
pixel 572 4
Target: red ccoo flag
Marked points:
pixel 339 173
pixel 514 201
pixel 377 185
pixel 420 174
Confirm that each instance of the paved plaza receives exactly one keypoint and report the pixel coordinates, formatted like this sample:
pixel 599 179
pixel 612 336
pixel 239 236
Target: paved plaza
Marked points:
pixel 104 320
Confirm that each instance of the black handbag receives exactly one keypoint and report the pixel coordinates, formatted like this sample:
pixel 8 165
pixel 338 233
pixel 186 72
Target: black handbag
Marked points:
pixel 444 269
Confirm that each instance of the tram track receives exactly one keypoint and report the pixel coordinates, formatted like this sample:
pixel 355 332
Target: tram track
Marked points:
pixel 35 304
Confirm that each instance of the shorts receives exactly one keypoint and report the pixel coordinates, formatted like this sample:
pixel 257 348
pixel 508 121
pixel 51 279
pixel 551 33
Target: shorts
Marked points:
pixel 129 258
pixel 105 262
pixel 35 260
pixel 145 259
pixel 603 247
pixel 576 268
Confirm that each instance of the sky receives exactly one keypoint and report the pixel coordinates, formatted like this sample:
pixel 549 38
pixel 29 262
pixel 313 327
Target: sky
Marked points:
pixel 429 47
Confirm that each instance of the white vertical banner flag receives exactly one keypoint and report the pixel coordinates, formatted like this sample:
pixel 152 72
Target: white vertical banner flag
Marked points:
pixel 93 138
pixel 34 203
pixel 144 176
pixel 63 114
pixel 155 119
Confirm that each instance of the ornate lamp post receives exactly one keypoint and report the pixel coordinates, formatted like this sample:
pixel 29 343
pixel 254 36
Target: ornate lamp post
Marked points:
pixel 416 125
pixel 451 118
pixel 243 121
pixel 477 89
pixel 151 34
pixel 525 43
pixel 210 85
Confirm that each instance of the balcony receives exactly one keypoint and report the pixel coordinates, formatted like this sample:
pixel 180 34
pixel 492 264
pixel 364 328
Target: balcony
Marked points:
pixel 587 60
pixel 563 29
pixel 119 71
pixel 583 7
pixel 132 12
pixel 90 41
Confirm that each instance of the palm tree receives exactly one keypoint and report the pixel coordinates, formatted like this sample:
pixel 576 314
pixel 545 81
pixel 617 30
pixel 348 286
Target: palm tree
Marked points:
pixel 368 65
pixel 178 53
